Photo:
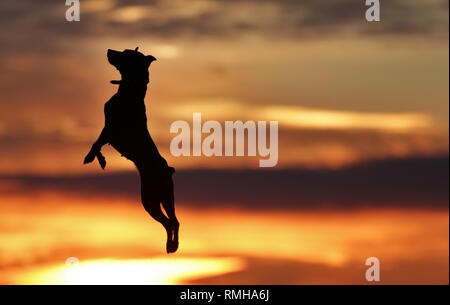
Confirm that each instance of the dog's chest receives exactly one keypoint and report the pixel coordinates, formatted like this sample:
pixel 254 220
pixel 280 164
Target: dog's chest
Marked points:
pixel 125 113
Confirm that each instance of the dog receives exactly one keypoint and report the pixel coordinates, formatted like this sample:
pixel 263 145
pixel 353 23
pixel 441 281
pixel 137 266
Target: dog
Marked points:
pixel 126 130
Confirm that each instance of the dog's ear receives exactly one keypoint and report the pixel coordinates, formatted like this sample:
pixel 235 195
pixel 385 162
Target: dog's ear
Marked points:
pixel 149 59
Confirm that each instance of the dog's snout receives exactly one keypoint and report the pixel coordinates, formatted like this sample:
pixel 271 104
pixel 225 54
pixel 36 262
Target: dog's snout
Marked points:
pixel 113 57
pixel 111 53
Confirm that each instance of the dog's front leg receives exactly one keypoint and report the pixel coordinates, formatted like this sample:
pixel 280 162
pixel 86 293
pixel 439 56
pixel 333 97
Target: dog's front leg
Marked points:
pixel 96 149
pixel 95 152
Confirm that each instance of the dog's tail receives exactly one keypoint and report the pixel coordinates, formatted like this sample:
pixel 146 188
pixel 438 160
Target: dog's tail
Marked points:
pixel 171 170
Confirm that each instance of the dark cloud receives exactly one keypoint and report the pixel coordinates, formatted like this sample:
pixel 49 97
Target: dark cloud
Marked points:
pixel 42 25
pixel 270 271
pixel 407 183
pixel 291 18
pixel 359 144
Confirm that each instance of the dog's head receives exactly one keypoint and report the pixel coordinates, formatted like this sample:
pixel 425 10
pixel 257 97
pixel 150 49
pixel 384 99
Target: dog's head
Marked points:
pixel 132 65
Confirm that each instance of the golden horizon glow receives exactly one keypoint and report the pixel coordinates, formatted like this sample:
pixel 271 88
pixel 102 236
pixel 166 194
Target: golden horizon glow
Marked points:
pixel 154 271
pixel 34 228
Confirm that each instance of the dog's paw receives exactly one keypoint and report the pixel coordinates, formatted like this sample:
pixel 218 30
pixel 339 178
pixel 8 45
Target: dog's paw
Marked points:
pixel 171 246
pixel 101 160
pixel 89 158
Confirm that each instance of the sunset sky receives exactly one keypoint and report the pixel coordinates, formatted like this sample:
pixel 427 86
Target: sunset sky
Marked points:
pixel 363 112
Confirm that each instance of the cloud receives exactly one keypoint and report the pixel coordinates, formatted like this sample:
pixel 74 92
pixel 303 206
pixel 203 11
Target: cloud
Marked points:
pixel 401 183
pixel 304 117
pixel 277 18
pixel 42 24
pixel 58 145
pixel 46 58
pixel 267 271
pixel 390 183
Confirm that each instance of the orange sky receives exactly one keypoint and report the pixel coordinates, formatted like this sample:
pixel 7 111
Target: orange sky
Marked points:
pixel 363 112
pixel 343 90
pixel 224 246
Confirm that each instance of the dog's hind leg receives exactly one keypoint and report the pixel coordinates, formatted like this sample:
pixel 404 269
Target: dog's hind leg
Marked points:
pixel 157 192
pixel 151 201
pixel 153 207
pixel 168 202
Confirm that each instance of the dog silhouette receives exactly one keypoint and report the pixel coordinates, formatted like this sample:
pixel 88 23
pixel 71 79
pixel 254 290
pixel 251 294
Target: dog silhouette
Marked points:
pixel 126 130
